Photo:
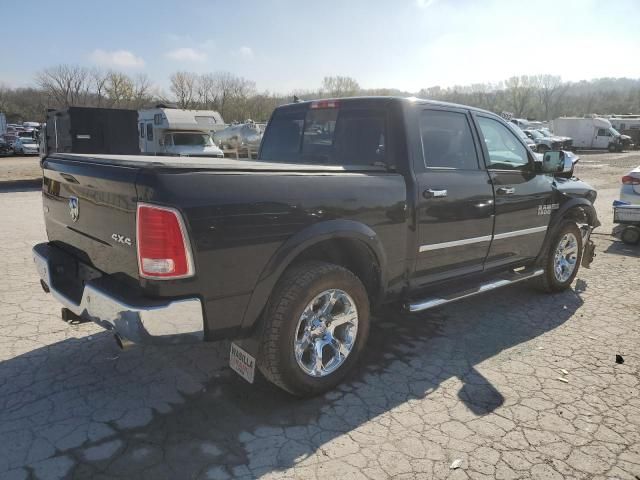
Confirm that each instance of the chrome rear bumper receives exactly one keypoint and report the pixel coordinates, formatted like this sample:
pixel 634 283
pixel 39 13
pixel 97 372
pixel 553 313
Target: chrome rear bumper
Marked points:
pixel 150 322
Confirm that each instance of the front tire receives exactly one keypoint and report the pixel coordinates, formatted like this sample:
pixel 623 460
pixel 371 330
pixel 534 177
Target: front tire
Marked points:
pixel 315 328
pixel 563 259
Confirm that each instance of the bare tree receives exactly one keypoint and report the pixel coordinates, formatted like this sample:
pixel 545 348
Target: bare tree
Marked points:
pixel 547 88
pixel 207 90
pixel 183 86
pixel 519 91
pixel 99 81
pixel 119 89
pixel 66 84
pixel 141 91
pixel 339 86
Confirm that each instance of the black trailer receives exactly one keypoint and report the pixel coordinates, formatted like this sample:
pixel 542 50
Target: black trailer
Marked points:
pixel 92 130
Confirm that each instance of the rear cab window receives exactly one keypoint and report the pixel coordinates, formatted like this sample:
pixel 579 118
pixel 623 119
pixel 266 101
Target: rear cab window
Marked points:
pixel 326 135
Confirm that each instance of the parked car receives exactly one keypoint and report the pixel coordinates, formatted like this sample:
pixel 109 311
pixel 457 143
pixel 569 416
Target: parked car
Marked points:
pixel 543 143
pixel 567 142
pixel 5 149
pixel 630 189
pixel 240 135
pixel 530 143
pixel 26 146
pixel 353 203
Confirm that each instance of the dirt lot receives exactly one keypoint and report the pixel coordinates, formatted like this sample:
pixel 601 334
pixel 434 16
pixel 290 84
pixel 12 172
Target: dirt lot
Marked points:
pixel 478 381
pixel 20 168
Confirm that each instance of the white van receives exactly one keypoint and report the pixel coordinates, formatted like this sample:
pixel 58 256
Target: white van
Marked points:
pixel 176 132
pixel 592 132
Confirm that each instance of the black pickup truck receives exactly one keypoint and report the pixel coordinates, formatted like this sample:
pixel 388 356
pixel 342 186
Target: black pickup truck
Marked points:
pixel 352 203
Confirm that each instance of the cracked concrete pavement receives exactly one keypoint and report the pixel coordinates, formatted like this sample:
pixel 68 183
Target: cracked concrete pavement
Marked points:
pixel 476 381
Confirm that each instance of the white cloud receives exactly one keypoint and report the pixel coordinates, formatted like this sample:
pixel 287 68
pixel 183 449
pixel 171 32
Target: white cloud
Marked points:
pixel 246 51
pixel 187 54
pixel 116 58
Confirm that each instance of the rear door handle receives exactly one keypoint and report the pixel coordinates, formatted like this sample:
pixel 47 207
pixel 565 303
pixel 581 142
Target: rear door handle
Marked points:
pixel 506 190
pixel 434 193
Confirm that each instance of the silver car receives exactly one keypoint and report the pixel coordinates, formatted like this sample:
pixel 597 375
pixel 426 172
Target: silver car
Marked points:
pixel 630 190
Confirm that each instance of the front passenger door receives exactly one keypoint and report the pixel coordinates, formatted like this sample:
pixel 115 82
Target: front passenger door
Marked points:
pixel 522 197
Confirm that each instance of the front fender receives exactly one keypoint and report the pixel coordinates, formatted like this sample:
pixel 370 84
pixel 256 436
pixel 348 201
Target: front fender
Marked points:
pixel 310 236
pixel 559 215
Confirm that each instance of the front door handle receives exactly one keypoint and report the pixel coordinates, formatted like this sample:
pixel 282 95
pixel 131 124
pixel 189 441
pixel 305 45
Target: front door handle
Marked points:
pixel 433 193
pixel 506 190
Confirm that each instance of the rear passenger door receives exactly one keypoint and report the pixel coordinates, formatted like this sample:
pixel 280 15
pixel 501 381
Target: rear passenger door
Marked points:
pixel 454 199
pixel 523 197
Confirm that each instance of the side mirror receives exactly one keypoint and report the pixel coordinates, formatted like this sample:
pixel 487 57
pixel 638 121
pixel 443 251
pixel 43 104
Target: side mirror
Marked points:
pixel 556 162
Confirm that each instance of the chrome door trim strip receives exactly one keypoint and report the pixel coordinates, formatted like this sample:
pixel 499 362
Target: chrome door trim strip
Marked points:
pixel 455 243
pixel 517 233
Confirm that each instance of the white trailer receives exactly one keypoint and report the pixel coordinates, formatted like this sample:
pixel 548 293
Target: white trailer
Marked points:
pixel 172 131
pixel 594 132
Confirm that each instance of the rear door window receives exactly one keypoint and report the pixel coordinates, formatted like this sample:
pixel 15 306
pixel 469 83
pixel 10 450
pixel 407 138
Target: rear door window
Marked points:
pixel 447 141
pixel 326 136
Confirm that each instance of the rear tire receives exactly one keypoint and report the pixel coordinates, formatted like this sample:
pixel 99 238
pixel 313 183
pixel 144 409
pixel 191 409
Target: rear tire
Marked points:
pixel 294 331
pixel 563 259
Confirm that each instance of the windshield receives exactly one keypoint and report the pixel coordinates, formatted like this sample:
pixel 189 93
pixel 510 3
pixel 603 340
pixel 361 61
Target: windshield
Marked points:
pixel 546 132
pixel 28 141
pixel 535 134
pixel 614 132
pixel 192 139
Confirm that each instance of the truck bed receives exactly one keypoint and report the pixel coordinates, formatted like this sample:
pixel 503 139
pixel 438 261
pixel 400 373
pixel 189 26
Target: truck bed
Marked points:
pixel 209 163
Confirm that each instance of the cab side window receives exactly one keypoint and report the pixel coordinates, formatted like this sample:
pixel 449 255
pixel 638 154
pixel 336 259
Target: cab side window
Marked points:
pixel 447 141
pixel 505 150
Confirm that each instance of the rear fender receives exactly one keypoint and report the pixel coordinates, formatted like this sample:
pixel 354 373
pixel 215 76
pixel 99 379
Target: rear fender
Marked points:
pixel 292 248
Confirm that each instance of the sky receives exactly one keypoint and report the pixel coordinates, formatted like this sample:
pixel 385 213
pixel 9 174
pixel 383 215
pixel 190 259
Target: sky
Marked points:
pixel 285 45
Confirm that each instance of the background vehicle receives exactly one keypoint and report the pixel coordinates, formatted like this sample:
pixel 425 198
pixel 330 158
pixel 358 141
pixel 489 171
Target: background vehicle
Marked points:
pixel 543 143
pixel 26 146
pixel 240 135
pixel 567 142
pixel 593 132
pixel 525 138
pixel 5 148
pixel 630 189
pixel 353 203
pixel 522 123
pixel 176 132
pixel 91 130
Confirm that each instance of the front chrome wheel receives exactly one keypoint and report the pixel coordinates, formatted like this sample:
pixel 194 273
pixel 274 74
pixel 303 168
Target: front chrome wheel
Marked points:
pixel 565 257
pixel 326 333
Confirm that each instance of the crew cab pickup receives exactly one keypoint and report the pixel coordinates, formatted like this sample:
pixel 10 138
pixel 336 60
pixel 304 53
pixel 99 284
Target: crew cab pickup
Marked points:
pixel 352 203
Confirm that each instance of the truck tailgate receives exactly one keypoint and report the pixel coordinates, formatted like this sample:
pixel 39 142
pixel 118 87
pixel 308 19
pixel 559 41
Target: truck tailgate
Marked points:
pixel 90 212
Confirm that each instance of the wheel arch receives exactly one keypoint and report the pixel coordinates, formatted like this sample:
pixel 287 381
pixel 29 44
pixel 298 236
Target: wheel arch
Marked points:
pixel 579 210
pixel 348 243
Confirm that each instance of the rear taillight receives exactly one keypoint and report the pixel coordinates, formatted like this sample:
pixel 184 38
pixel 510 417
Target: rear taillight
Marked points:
pixel 629 180
pixel 163 247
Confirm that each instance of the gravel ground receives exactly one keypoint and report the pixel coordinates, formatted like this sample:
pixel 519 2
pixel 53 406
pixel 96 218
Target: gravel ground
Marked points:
pixel 514 384
pixel 20 168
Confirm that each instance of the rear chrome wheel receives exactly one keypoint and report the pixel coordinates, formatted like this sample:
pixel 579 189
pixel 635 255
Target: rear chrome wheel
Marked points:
pixel 565 257
pixel 314 329
pixel 326 333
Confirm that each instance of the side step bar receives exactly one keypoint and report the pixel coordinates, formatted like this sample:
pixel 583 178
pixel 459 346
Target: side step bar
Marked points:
pixel 508 279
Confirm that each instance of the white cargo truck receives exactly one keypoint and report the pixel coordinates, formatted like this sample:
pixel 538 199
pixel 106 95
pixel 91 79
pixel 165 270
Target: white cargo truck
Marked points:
pixel 177 132
pixel 592 132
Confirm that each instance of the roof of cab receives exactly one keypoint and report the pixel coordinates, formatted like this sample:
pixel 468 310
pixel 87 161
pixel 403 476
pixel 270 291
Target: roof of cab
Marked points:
pixel 373 98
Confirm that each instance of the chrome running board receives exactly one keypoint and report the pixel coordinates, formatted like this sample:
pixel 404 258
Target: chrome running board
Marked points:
pixel 503 281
